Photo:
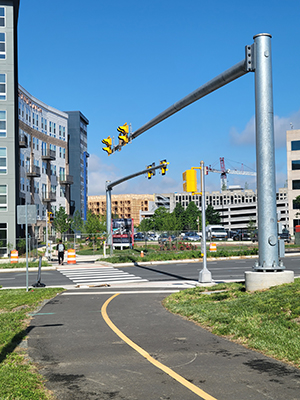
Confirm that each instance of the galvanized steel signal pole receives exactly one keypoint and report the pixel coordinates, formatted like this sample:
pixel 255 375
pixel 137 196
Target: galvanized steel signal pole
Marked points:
pixel 265 157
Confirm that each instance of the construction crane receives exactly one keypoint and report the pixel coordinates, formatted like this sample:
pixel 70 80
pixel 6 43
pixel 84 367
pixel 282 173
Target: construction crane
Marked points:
pixel 223 171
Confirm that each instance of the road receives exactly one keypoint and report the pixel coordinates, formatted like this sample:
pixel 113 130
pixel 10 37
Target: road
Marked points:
pixel 180 272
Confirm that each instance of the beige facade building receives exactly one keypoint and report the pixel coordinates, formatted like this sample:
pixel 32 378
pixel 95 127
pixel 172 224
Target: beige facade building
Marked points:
pixel 122 205
pixel 293 174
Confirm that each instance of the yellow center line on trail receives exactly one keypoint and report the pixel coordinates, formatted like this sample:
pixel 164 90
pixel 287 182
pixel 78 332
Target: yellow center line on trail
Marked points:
pixel 157 364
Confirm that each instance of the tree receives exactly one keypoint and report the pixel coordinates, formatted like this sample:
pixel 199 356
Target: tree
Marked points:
pixel 146 225
pixel 251 227
pixel 180 217
pixel 77 224
pixel 296 202
pixel 158 218
pixel 94 224
pixel 61 221
pixel 191 214
pixel 212 216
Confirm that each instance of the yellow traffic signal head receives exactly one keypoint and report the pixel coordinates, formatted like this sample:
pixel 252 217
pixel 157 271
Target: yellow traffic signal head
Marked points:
pixel 164 168
pixel 108 143
pixel 190 181
pixel 150 173
pixel 123 136
pixel 123 128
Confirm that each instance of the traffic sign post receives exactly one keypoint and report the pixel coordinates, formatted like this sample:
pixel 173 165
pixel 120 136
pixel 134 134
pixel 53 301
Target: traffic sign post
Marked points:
pixel 26 215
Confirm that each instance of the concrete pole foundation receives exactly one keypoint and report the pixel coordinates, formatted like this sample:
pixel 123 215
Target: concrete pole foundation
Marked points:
pixel 264 280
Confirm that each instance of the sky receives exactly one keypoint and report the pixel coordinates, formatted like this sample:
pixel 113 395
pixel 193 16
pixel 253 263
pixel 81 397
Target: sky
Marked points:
pixel 127 61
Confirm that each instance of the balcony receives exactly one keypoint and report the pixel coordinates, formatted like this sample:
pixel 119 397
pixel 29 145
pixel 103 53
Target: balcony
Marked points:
pixel 48 155
pixel 23 141
pixel 48 197
pixel 33 172
pixel 66 180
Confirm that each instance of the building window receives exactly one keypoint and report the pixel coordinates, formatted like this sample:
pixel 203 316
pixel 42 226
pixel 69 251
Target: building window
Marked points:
pixel 3 197
pixel 295 145
pixel 2 45
pixel 44 148
pixel 296 184
pixel 3 160
pixel 36 187
pixel 2 123
pixel 295 165
pixel 2 87
pixel 2 16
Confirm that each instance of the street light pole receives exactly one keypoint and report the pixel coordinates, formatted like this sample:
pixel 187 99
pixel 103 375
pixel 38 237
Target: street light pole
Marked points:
pixel 204 274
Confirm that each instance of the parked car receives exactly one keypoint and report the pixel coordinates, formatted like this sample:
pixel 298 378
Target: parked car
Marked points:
pixel 230 234
pixel 165 237
pixel 140 236
pixel 216 232
pixel 241 235
pixel 285 235
pixel 193 236
pixel 153 236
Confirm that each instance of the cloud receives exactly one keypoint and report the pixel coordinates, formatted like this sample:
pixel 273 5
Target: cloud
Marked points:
pixel 99 173
pixel 281 125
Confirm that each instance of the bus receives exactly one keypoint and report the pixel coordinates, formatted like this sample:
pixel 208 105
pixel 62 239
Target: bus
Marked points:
pixel 122 232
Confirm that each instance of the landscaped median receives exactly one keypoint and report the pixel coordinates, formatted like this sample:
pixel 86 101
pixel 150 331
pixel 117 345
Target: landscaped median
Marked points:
pixel 266 321
pixel 149 254
pixel 18 376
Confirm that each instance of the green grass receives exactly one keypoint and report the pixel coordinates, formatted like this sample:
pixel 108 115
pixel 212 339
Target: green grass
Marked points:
pixel 152 253
pixel 267 321
pixel 18 376
pixel 31 264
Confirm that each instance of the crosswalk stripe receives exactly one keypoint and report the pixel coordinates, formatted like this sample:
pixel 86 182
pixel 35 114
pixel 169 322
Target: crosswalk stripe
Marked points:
pixel 98 276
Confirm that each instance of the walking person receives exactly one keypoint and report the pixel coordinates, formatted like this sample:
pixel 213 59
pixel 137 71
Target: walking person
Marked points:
pixel 60 252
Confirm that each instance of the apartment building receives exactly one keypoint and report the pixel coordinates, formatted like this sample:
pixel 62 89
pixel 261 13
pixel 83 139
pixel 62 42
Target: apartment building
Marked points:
pixel 122 205
pixel 9 141
pixel 44 168
pixel 34 146
pixel 78 161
